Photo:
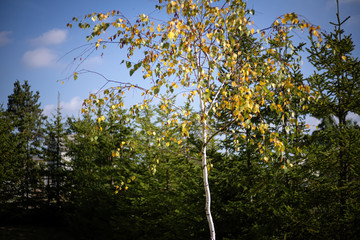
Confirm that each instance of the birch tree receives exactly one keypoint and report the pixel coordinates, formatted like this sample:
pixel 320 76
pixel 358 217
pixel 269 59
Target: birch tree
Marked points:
pixel 194 55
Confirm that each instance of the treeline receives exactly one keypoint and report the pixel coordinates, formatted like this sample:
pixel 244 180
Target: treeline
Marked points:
pixel 125 177
pixel 112 174
pixel 102 181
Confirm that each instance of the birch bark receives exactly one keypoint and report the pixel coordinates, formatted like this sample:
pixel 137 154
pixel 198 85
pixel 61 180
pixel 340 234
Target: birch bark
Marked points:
pixel 204 136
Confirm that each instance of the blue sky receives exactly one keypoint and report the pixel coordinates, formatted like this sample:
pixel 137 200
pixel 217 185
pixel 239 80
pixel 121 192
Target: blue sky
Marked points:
pixel 34 42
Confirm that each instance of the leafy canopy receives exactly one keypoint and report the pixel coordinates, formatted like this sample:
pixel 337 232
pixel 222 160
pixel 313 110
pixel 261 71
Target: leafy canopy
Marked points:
pixel 196 53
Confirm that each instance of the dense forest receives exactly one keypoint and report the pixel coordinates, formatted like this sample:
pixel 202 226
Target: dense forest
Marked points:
pixel 140 172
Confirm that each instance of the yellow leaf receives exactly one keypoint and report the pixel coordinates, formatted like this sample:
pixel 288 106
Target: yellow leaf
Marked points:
pixel 343 58
pixel 252 31
pixel 171 35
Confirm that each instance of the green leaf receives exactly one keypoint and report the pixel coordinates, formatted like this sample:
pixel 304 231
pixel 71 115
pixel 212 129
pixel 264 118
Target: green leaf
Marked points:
pixel 136 67
pixel 132 72
pixel 128 64
pixel 165 45
pixel 156 90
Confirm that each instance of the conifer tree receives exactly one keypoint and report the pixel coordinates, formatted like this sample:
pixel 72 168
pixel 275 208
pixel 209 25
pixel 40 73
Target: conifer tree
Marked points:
pixel 26 116
pixel 337 81
pixel 8 165
pixel 54 148
pixel 102 170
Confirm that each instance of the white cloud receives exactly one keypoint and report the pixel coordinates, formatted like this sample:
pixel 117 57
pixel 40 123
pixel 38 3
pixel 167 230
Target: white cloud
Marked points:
pixel 43 56
pixel 49 109
pixel 92 62
pixel 52 37
pixel 40 57
pixel 4 38
pixel 67 108
pixel 73 106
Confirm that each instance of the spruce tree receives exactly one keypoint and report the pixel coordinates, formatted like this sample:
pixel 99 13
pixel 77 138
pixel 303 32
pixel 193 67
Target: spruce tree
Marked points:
pixel 27 118
pixel 337 81
pixel 54 147
pixel 102 170
pixel 8 170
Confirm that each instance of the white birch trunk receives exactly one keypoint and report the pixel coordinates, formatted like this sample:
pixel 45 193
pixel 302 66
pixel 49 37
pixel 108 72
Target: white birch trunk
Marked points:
pixel 205 172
